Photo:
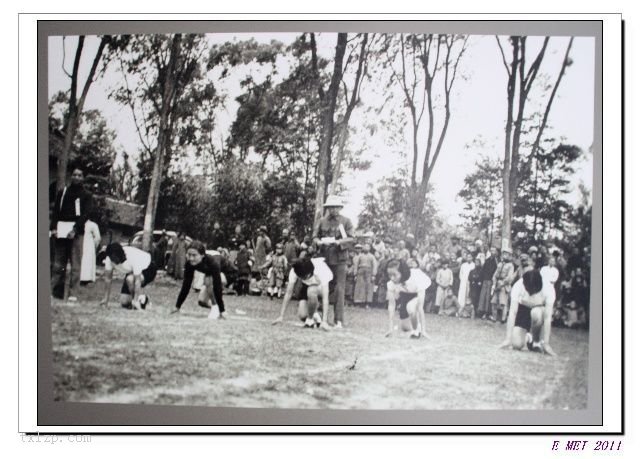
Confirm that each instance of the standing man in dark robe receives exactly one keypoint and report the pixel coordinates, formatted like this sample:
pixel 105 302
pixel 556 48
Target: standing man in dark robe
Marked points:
pixel 333 234
pixel 262 247
pixel 71 209
pixel 161 250
pixel 291 248
pixel 486 275
pixel 218 240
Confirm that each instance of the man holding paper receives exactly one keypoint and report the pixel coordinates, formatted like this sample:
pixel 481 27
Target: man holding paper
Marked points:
pixel 333 234
pixel 70 212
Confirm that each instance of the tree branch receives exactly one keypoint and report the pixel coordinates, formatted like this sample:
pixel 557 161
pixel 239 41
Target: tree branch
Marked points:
pixel 504 59
pixel 455 67
pixel 96 60
pixel 314 65
pixel 565 63
pixel 64 58
pixel 535 66
pixel 74 77
pixel 131 104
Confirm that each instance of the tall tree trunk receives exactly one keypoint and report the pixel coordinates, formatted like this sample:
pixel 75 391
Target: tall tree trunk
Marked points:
pixel 324 159
pixel 76 106
pixel 342 141
pixel 163 136
pixel 535 198
pixel 511 167
pixel 507 199
pixel 418 193
pixel 343 133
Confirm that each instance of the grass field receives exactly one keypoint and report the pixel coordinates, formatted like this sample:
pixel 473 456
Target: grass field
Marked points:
pixel 120 356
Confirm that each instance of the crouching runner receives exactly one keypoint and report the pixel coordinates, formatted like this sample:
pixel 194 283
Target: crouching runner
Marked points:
pixel 138 269
pixel 199 260
pixel 406 290
pixel 314 275
pixel 529 321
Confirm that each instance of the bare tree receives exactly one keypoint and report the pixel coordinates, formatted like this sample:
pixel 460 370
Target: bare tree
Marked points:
pixel 425 68
pixel 519 84
pixel 76 104
pixel 350 103
pixel 158 73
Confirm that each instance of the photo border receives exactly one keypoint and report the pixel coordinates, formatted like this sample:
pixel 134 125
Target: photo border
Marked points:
pixel 101 414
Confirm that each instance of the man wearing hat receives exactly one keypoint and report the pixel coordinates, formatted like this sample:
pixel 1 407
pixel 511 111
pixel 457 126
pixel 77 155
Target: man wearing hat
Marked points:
pixel 262 247
pixel 502 285
pixel 333 234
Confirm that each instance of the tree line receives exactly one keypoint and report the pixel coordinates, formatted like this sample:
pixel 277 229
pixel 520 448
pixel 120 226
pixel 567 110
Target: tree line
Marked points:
pixel 288 146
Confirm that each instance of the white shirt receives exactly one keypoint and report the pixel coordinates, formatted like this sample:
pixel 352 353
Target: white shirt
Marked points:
pixel 322 274
pixel 549 274
pixel 546 297
pixel 418 282
pixel 429 258
pixel 137 260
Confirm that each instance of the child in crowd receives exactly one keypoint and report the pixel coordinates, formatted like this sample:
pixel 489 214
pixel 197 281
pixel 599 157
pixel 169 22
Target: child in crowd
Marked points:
pixel 450 305
pixel 403 253
pixel 365 267
pixel 243 264
pixel 256 284
pixel 381 278
pixel 575 316
pixel 278 268
pixel 502 280
pixel 444 279
pixel 350 281
pixel 430 299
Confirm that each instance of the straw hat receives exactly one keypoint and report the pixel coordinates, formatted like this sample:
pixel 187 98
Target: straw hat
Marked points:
pixel 333 201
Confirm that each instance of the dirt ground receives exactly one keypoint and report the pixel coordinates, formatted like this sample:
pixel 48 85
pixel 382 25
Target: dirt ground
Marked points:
pixel 121 356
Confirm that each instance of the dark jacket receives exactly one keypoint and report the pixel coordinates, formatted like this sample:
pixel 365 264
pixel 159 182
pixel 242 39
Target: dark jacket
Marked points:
pixel 242 263
pixel 66 210
pixel 218 239
pixel 329 227
pixel 475 278
pixel 210 267
pixel 489 269
pixel 291 249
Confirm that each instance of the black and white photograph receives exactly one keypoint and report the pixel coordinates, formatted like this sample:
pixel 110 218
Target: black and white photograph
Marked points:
pixel 321 220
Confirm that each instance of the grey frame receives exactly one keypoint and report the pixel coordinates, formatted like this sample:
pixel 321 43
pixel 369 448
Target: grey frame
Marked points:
pixel 52 413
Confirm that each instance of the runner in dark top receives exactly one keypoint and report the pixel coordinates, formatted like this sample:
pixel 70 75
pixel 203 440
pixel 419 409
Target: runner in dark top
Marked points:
pixel 198 260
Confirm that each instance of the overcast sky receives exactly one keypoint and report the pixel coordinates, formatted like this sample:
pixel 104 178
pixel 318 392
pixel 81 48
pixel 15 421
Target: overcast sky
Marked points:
pixel 478 110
